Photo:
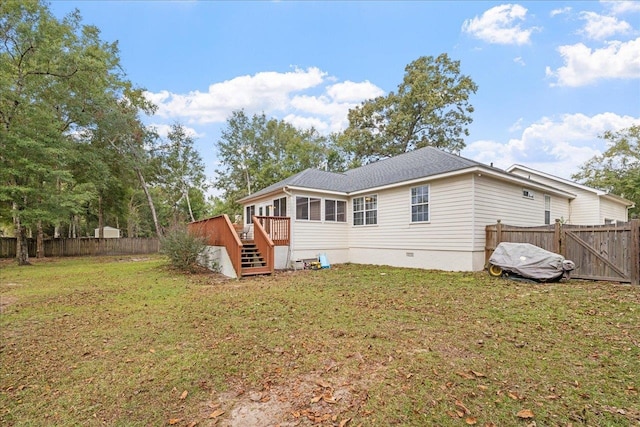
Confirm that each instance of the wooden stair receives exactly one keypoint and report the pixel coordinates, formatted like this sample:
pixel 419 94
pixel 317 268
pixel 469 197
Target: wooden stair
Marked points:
pixel 251 261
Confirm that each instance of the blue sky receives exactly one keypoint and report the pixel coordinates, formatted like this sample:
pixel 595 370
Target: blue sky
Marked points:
pixel 552 76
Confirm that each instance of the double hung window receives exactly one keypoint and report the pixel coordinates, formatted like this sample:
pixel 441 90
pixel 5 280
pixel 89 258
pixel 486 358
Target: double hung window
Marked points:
pixel 335 210
pixel 420 204
pixel 365 210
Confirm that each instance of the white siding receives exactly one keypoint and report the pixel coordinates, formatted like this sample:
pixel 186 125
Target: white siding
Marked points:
pixel 444 242
pixel 610 210
pixel 500 200
pixel 588 207
pixel 431 260
pixel 504 201
pixel 311 238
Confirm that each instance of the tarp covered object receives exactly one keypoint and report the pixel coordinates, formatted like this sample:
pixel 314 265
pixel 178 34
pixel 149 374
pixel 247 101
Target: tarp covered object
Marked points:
pixel 528 261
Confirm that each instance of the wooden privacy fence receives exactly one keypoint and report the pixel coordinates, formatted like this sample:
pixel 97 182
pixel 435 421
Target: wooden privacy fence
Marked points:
pixel 600 252
pixel 83 247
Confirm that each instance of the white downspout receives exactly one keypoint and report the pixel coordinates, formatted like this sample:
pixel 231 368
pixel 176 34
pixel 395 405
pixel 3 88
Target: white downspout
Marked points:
pixel 291 240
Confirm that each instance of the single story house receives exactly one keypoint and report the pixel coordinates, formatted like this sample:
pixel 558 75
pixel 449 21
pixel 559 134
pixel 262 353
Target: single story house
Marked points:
pixel 422 209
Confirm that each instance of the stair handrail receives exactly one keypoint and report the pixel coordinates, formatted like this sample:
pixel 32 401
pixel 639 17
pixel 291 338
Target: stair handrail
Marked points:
pixel 263 243
pixel 219 231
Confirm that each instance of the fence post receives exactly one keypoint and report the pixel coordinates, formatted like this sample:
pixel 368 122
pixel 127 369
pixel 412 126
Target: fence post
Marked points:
pixel 635 252
pixel 557 238
pixel 498 232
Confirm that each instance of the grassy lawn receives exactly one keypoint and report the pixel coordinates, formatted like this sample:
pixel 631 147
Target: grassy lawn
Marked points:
pixel 125 341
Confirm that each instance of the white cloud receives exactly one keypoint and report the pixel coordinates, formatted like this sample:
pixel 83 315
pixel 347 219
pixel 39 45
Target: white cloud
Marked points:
pixel 599 27
pixel 265 91
pixel 556 146
pixel 349 91
pixel 276 94
pixel 500 25
pixel 163 130
pixel 618 60
pixel 556 12
pixel 517 125
pixel 519 60
pixel 302 122
pixel 619 7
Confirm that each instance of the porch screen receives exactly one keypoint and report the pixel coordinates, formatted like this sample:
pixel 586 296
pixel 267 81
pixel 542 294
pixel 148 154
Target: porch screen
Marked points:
pixel 280 207
pixel 308 208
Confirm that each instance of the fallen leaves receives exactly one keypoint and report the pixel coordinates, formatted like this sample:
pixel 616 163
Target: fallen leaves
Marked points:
pixel 525 414
pixel 471 374
pixel 216 413
pixel 464 409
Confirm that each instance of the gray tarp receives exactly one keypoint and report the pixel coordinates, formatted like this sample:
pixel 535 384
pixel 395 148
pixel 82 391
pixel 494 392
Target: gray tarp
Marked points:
pixel 528 261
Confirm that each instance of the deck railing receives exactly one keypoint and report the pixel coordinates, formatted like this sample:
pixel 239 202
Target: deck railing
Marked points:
pixel 219 231
pixel 277 227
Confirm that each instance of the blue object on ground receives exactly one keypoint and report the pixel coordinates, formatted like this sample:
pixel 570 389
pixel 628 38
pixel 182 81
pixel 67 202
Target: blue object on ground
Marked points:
pixel 324 263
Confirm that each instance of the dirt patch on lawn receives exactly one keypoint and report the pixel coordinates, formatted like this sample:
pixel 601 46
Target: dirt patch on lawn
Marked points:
pixel 307 400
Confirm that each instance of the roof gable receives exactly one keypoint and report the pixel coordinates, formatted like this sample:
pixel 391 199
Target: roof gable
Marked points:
pixel 599 193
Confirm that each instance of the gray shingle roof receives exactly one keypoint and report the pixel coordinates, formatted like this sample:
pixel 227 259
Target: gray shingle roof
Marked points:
pixel 420 163
pixel 415 164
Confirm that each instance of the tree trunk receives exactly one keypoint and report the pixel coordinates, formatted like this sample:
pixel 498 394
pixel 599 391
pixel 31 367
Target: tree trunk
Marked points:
pixel 100 219
pixel 189 206
pixel 73 231
pixel 130 224
pixel 40 241
pixel 150 200
pixel 22 246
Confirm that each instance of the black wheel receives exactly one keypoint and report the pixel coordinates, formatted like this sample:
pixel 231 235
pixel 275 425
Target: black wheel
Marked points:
pixel 494 270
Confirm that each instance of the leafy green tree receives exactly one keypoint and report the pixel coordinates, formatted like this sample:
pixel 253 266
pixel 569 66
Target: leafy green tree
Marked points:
pixel 56 79
pixel 182 169
pixel 256 152
pixel 617 170
pixel 119 129
pixel 430 108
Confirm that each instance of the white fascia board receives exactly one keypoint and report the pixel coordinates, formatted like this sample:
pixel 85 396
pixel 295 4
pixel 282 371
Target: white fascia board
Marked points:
pixel 557 178
pixel 618 199
pixel 529 183
pixel 601 193
pixel 250 198
pixel 316 190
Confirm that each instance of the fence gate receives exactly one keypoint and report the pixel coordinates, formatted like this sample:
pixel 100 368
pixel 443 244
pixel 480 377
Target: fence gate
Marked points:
pixel 601 252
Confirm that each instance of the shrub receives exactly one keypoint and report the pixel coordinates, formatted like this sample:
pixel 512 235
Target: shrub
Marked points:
pixel 185 251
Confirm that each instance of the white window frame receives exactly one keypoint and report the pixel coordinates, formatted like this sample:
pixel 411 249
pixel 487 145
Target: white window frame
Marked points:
pixel 547 209
pixel 277 205
pixel 335 203
pixel 250 211
pixel 365 210
pixel 528 194
pixel 422 203
pixel 308 204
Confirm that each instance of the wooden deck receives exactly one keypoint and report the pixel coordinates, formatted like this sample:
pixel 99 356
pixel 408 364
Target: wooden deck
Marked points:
pixel 249 256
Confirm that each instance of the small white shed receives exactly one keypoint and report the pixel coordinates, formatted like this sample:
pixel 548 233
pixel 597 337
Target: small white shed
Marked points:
pixel 109 233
